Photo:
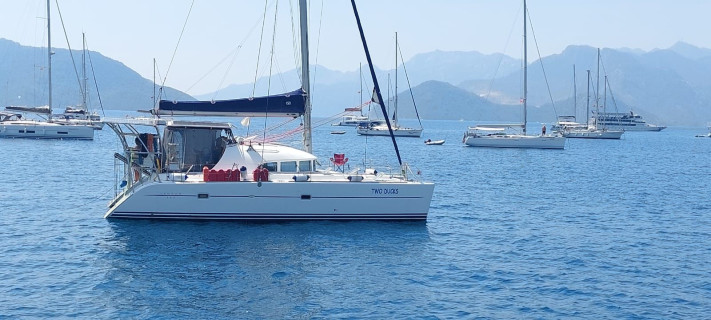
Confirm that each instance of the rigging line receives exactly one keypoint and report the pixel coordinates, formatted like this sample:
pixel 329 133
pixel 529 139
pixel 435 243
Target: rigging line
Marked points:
pixel 96 84
pixel 280 74
pixel 318 45
pixel 540 60
pixel 295 42
pixel 233 53
pixel 175 51
pixel 501 57
pixel 234 58
pixel 604 71
pixel 409 86
pixel 76 72
pixel 259 51
pixel 269 79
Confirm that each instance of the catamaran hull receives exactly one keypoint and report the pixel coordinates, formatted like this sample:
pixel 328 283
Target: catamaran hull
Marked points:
pixel 413 133
pixel 530 142
pixel 594 134
pixel 276 201
pixel 45 131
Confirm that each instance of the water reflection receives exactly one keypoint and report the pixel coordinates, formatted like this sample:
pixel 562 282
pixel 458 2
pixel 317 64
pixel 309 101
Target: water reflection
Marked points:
pixel 241 269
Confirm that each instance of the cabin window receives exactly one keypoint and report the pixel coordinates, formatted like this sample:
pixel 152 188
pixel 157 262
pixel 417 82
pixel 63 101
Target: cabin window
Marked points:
pixel 288 166
pixel 305 166
pixel 271 166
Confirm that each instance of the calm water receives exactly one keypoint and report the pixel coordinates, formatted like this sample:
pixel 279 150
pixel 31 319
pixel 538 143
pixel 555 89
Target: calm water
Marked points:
pixel 603 229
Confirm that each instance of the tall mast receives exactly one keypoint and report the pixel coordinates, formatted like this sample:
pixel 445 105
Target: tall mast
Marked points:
pixel 604 101
pixel 575 97
pixel 395 93
pixel 83 71
pixel 49 60
pixel 360 102
pixel 305 74
pixel 587 104
pixel 154 83
pixel 525 69
pixel 597 89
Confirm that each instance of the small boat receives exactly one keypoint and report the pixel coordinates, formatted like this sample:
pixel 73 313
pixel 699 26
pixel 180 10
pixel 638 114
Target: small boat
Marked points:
pixel 338 132
pixel 430 142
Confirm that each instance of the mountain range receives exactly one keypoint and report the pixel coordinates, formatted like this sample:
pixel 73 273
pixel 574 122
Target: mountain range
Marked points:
pixel 668 86
pixel 23 80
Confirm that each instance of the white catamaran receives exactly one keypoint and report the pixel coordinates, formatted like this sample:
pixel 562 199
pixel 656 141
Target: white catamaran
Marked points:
pixel 13 125
pixel 499 135
pixel 199 170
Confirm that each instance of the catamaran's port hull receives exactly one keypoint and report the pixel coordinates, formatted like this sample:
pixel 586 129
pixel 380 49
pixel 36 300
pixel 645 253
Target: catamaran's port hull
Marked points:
pixel 530 142
pixel 276 201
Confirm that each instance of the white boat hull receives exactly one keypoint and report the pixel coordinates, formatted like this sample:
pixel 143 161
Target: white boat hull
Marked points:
pixel 593 134
pixel 44 130
pixel 516 141
pixel 398 132
pixel 279 200
pixel 634 128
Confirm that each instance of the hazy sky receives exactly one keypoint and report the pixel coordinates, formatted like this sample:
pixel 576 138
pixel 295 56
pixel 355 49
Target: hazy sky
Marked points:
pixel 137 31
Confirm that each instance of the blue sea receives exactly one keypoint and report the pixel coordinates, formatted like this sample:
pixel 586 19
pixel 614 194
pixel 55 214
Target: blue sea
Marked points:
pixel 601 230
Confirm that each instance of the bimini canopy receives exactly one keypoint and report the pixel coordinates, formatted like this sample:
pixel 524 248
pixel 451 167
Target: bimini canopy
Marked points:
pixel 291 104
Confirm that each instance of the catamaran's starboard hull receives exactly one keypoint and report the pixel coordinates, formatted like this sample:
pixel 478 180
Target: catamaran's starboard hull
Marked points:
pixel 45 131
pixel 276 201
pixel 516 141
pixel 593 134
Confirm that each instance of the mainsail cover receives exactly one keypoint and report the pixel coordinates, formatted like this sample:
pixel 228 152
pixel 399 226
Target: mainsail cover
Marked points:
pixel 291 104
pixel 37 110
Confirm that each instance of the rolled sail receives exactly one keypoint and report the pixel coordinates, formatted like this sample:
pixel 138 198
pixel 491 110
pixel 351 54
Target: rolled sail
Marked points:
pixel 291 104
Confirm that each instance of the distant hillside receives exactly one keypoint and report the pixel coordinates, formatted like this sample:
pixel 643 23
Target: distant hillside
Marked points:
pixel 23 80
pixel 458 66
pixel 440 101
pixel 667 86
pixel 661 84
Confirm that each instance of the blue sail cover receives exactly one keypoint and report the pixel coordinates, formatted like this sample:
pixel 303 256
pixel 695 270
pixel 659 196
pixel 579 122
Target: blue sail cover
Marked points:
pixel 291 104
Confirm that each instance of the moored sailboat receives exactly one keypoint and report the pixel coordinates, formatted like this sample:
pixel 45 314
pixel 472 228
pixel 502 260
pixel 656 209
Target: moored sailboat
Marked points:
pixel 589 130
pixel 500 135
pixel 382 129
pixel 12 124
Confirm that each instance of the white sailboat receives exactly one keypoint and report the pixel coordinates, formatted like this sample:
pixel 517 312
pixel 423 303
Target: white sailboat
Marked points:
pixel 500 136
pixel 355 120
pixel 80 114
pixel 199 170
pixel 12 124
pixel 382 129
pixel 573 129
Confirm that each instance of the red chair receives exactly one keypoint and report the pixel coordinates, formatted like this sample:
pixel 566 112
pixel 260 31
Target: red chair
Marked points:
pixel 339 160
